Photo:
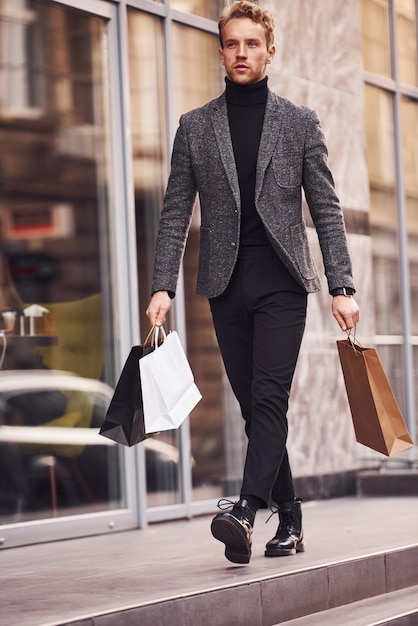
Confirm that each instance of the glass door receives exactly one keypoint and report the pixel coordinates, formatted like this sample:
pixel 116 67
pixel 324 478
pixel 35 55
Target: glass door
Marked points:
pixel 57 251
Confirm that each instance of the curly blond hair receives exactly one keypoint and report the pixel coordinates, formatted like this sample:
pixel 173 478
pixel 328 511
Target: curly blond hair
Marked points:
pixel 245 8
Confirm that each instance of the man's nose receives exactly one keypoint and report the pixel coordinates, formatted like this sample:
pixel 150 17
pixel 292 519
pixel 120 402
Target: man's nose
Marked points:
pixel 241 51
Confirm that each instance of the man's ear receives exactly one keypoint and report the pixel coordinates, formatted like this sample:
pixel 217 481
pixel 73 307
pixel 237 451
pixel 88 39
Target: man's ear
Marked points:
pixel 221 54
pixel 271 53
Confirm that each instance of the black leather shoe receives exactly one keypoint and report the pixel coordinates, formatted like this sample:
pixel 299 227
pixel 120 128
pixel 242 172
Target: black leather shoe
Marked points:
pixel 234 529
pixel 289 536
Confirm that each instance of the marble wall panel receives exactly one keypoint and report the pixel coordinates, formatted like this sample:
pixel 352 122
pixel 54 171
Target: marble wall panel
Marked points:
pixel 318 63
pixel 318 41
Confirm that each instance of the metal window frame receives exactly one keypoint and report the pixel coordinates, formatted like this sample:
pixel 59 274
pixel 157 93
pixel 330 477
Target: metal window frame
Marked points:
pixel 186 508
pixel 398 90
pixel 124 231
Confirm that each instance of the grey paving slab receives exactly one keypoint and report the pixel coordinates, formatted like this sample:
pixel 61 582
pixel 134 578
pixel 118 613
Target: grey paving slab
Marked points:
pixel 73 580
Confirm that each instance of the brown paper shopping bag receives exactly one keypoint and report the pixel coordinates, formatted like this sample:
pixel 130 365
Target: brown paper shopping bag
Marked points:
pixel 377 419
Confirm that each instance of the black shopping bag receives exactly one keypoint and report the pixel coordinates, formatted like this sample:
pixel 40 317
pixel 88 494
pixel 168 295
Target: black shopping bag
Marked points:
pixel 124 419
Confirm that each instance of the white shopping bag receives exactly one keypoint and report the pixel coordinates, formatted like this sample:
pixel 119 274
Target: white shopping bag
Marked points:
pixel 169 392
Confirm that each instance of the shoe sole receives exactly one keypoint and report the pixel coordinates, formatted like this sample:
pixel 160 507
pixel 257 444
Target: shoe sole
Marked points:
pixel 285 552
pixel 230 532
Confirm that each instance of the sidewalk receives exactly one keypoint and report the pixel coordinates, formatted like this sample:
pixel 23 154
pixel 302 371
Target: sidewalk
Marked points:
pixel 69 581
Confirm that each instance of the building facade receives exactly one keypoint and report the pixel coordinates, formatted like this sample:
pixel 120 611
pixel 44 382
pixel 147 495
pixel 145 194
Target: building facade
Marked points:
pixel 90 96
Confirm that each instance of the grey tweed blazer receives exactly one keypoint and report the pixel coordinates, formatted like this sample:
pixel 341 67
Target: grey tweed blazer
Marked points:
pixel 292 155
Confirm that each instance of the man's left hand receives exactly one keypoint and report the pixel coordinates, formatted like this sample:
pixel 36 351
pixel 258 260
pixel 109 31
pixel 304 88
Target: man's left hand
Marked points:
pixel 346 311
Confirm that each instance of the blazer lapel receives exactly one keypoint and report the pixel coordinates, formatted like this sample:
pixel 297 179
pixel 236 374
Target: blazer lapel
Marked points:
pixel 223 139
pixel 269 136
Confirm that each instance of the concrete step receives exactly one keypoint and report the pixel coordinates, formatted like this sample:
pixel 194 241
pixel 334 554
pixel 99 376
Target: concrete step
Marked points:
pixel 175 573
pixel 387 482
pixel 344 592
pixel 399 608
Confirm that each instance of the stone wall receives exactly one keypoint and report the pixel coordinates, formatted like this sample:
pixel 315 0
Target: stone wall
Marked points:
pixel 318 63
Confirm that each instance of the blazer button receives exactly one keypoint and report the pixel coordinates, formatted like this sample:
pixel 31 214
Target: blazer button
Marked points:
pixel 233 244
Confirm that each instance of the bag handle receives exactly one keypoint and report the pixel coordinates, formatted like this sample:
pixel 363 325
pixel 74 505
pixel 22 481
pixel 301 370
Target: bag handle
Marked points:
pixel 352 340
pixel 153 338
pixel 150 337
pixel 157 335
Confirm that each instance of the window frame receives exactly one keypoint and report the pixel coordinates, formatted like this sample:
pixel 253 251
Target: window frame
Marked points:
pixel 406 340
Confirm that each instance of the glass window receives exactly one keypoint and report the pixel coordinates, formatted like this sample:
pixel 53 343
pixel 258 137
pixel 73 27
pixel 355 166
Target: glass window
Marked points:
pixel 384 228
pixel 389 179
pixel 215 424
pixel 407 55
pixel 409 111
pixel 210 9
pixel 383 211
pixel 149 137
pixel 149 154
pixel 409 120
pixel 54 258
pixel 375 36
pixel 194 82
pixel 22 81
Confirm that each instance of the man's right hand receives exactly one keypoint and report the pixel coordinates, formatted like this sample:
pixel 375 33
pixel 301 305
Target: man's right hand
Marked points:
pixel 159 306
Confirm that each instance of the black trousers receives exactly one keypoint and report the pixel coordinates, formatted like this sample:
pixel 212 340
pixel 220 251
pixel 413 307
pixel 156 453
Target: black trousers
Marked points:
pixel 259 322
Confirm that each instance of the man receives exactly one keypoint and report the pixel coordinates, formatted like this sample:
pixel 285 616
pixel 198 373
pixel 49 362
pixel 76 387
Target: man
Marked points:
pixel 247 154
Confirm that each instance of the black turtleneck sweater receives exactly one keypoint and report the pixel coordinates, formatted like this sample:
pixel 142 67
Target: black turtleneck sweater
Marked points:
pixel 246 107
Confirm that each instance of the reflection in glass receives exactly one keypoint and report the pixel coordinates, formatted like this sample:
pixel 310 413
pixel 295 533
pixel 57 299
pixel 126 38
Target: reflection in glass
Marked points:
pixel 54 259
pixel 415 379
pixel 383 211
pixel 407 53
pixel 52 461
pixel 375 36
pixel 149 150
pixel 217 450
pixel 409 120
pixel 384 229
pixel 211 10
pixel 149 138
pixel 196 68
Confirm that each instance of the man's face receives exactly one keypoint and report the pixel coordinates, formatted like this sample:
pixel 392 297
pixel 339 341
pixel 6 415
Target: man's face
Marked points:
pixel 244 53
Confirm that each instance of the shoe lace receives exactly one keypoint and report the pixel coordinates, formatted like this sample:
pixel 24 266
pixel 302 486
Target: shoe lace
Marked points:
pixel 224 504
pixel 274 511
pixel 240 512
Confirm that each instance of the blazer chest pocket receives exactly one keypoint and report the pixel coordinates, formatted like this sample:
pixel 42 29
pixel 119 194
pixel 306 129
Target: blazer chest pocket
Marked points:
pixel 288 171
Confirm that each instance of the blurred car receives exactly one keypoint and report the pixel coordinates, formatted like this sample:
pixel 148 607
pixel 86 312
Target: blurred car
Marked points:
pixel 51 455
